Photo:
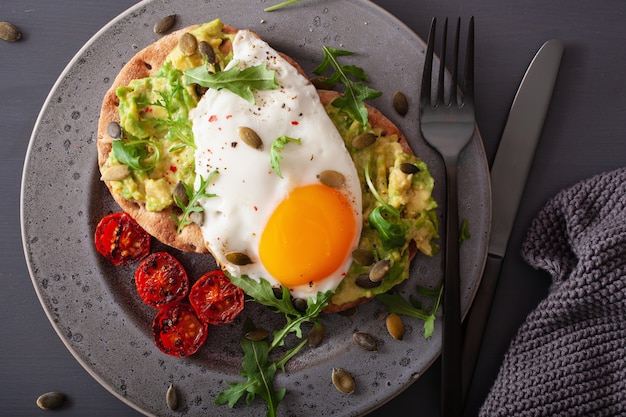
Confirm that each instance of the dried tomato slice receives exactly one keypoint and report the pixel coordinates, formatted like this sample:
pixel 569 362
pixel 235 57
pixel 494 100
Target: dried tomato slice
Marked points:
pixel 161 279
pixel 216 300
pixel 119 238
pixel 178 331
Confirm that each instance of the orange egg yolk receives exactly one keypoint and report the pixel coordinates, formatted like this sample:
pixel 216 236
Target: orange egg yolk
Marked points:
pixel 309 235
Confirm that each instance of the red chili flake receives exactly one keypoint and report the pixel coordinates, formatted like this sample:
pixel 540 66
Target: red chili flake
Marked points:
pixel 212 118
pixel 229 116
pixel 173 168
pixel 256 208
pixel 295 123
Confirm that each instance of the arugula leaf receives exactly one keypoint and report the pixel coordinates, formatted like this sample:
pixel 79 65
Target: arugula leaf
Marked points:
pixel 391 234
pixel 140 155
pixel 257 368
pixel 178 126
pixel 280 5
pixel 238 81
pixel 399 305
pixel 275 155
pixel 352 100
pixel 259 373
pixel 192 206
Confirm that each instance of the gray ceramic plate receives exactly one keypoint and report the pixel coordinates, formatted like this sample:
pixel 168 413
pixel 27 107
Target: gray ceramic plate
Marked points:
pixel 93 306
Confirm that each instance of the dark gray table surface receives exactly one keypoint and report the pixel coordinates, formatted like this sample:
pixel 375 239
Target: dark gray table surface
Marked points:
pixel 584 134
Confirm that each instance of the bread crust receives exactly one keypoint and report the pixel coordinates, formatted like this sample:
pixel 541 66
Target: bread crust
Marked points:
pixel 161 224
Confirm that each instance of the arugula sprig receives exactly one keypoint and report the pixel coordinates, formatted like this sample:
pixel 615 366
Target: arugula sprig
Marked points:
pixel 397 304
pixel 178 125
pixel 139 154
pixel 192 206
pixel 238 81
pixel 280 5
pixel 258 369
pixel 385 218
pixel 355 94
pixel 277 146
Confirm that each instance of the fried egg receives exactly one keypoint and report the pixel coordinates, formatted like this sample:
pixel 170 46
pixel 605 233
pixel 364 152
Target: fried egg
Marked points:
pixel 297 231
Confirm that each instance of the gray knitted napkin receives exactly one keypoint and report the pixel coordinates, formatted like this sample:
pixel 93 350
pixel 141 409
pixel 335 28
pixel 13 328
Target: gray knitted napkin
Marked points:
pixel 569 356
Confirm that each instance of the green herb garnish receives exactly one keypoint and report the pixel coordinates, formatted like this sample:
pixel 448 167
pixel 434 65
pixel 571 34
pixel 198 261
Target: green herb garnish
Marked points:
pixel 193 205
pixel 464 233
pixel 280 5
pixel 140 154
pixel 258 369
pixel 355 94
pixel 397 304
pixel 238 81
pixel 178 125
pixel 275 155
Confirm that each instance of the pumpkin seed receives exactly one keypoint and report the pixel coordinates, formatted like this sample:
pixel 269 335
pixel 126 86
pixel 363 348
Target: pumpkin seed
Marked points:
pixel 9 32
pixel 250 137
pixel 188 44
pixel 331 178
pixel 364 281
pixel 363 257
pixel 164 24
pixel 300 304
pixel 171 397
pixel 366 341
pixel 238 258
pixel 115 173
pixel 180 193
pixel 316 335
pixel 114 130
pixel 408 168
pixel 207 52
pixel 256 334
pixel 364 140
pixel 50 400
pixel 395 326
pixel 343 381
pixel 379 270
pixel 400 103
pixel 197 217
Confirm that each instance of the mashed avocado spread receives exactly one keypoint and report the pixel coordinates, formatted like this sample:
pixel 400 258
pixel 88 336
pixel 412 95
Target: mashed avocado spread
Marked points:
pixel 158 148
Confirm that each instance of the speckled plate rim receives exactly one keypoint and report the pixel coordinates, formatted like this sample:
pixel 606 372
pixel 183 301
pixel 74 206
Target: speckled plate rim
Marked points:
pixel 91 309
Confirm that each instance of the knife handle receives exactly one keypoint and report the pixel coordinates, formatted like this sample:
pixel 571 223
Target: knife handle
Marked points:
pixel 476 321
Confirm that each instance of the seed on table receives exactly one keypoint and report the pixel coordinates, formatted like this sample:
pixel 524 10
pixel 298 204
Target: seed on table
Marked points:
pixel 395 326
pixel 343 381
pixel 256 334
pixel 50 400
pixel 365 341
pixel 400 103
pixel 9 32
pixel 171 397
pixel 164 24
pixel 316 335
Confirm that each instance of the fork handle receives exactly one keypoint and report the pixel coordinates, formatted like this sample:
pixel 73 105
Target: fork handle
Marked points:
pixel 451 377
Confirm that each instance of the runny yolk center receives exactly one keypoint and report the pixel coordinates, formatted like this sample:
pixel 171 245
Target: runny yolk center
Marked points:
pixel 309 235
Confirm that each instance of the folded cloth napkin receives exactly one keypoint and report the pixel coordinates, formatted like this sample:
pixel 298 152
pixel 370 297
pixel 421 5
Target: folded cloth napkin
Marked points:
pixel 569 356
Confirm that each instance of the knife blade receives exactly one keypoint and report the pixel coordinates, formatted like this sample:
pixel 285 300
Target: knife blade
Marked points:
pixel 508 178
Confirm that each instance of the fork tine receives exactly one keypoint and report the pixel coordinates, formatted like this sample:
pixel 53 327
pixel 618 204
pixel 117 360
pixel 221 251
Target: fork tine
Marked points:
pixel 442 65
pixel 469 61
pixel 455 66
pixel 425 94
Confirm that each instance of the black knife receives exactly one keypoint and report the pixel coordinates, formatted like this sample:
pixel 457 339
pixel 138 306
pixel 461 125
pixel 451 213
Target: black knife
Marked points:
pixel 508 178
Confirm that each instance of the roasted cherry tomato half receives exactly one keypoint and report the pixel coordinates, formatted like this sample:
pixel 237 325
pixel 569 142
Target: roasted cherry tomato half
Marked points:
pixel 216 300
pixel 120 239
pixel 178 331
pixel 161 279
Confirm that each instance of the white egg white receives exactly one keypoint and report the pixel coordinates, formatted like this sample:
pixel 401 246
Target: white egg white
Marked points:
pixel 247 189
